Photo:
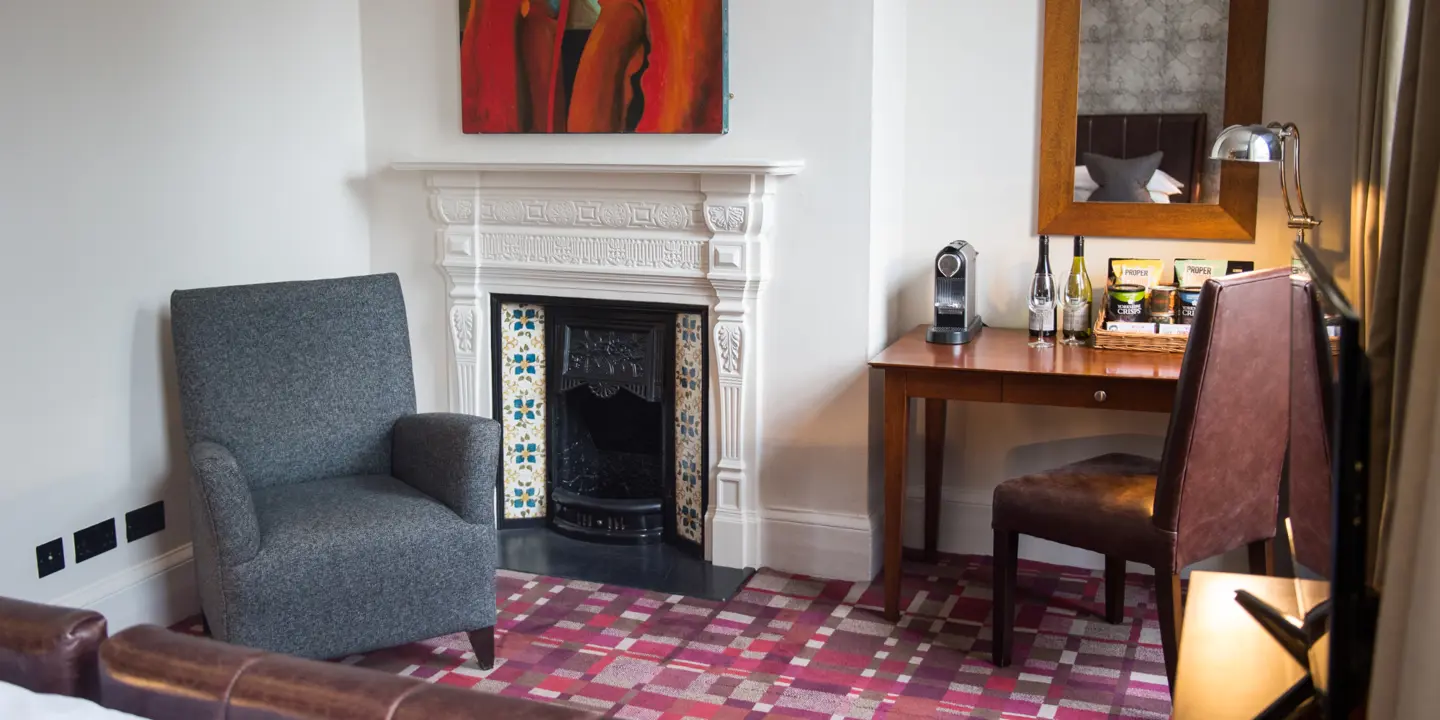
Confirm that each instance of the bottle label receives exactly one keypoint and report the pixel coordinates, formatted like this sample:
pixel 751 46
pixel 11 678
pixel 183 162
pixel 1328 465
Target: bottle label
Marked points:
pixel 1042 322
pixel 1077 317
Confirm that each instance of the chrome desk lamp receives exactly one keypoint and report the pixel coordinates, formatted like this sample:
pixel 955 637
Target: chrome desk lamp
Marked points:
pixel 1267 143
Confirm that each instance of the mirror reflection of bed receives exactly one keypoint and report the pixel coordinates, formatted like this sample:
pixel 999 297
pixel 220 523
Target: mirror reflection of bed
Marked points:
pixel 1140 158
pixel 1151 79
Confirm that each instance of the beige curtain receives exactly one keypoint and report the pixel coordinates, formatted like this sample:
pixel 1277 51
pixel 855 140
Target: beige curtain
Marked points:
pixel 1404 341
pixel 1370 148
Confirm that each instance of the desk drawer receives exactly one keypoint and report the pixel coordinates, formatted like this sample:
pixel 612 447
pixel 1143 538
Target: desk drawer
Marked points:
pixel 1090 392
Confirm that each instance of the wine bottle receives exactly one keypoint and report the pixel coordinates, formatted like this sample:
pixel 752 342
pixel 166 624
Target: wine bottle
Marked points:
pixel 1075 326
pixel 1042 299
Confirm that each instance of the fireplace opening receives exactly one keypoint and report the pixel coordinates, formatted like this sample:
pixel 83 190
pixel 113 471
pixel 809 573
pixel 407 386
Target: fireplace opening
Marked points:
pixel 610 460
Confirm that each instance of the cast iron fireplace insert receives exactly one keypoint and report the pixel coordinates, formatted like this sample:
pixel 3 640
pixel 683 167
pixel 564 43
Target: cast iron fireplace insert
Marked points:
pixel 611 396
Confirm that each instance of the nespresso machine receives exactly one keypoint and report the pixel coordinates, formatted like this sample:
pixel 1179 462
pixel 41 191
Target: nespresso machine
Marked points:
pixel 956 319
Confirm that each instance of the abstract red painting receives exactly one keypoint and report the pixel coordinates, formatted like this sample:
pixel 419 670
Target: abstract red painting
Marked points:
pixel 593 66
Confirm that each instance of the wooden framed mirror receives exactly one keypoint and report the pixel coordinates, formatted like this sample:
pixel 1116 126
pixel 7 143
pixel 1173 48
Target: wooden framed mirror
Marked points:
pixel 1133 94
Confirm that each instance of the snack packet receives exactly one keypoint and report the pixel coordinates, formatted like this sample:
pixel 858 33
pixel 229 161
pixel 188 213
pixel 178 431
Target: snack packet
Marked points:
pixel 1194 273
pixel 1135 271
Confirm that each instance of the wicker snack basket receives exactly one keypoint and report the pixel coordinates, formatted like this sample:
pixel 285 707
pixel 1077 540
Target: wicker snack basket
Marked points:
pixel 1144 342
pixel 1147 342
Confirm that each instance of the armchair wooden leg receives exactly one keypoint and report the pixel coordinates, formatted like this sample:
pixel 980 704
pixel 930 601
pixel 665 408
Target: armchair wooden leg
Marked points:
pixel 1114 590
pixel 1262 557
pixel 1167 592
pixel 1006 561
pixel 483 642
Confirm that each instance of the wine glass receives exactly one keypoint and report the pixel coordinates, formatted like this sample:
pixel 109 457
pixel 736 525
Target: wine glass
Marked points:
pixel 1042 303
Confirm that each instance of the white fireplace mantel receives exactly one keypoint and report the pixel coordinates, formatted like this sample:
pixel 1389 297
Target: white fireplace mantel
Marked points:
pixel 690 234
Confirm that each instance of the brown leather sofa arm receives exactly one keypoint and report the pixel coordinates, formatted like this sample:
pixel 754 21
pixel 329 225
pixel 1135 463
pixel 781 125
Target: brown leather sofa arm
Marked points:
pixel 50 649
pixel 154 673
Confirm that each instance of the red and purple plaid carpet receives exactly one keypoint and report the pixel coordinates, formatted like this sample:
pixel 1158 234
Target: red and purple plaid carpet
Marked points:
pixel 791 646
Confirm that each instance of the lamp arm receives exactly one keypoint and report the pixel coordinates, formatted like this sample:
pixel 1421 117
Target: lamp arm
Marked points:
pixel 1284 182
pixel 1305 215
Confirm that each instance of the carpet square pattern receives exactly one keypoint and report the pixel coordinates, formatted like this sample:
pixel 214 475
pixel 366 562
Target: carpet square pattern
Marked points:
pixel 792 646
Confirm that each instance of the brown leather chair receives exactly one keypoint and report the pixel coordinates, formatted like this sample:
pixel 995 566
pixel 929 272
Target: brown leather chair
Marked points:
pixel 162 675
pixel 1216 487
pixel 48 649
pixel 1310 504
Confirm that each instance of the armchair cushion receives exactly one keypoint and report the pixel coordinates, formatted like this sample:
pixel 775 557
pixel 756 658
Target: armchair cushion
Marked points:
pixel 452 458
pixel 354 563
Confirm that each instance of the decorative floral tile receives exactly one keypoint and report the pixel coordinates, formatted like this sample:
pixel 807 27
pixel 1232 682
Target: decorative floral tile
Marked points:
pixel 689 426
pixel 522 406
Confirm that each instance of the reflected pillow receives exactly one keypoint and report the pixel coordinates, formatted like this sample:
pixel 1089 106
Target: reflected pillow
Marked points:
pixel 1083 194
pixel 1122 180
pixel 1161 184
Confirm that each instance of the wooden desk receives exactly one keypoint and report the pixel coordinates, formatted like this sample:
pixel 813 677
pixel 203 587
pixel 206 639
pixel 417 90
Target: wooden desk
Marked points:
pixel 1229 666
pixel 999 367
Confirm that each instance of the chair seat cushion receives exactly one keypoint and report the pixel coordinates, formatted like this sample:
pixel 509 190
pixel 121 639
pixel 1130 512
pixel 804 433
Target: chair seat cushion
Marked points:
pixel 360 552
pixel 1102 504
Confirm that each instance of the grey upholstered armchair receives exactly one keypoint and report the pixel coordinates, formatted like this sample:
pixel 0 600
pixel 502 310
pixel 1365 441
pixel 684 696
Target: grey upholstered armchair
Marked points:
pixel 328 517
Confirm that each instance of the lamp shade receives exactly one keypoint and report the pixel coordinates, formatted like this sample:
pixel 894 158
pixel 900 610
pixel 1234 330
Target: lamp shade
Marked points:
pixel 1250 143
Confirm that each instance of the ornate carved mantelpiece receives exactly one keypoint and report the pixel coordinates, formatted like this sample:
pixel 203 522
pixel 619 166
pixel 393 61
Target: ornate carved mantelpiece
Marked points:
pixel 681 234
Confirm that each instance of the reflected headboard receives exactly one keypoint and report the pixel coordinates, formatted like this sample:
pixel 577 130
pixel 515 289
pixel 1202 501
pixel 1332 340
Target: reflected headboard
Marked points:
pixel 1181 136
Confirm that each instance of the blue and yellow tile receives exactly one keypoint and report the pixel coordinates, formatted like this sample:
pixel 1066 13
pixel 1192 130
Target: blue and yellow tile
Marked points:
pixel 522 407
pixel 689 426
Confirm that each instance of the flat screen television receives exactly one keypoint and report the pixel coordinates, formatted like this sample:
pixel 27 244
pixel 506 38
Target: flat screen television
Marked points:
pixel 1328 521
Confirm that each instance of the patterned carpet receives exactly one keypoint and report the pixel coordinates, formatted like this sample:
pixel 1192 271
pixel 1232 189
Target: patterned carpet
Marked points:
pixel 790 646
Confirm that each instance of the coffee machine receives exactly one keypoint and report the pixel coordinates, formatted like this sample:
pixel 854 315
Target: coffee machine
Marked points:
pixel 956 319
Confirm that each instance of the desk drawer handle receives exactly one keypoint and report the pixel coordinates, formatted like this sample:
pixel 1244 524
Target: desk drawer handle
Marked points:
pixel 1100 396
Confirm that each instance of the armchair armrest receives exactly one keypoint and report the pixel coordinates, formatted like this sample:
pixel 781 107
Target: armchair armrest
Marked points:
pixel 451 457
pixel 226 503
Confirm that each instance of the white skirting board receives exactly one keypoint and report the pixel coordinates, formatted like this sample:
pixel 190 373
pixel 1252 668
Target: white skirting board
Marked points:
pixel 965 530
pixel 835 546
pixel 160 591
pixel 842 546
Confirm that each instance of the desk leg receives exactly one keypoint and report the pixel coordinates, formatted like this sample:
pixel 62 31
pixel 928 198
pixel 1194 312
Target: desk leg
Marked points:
pixel 934 471
pixel 897 422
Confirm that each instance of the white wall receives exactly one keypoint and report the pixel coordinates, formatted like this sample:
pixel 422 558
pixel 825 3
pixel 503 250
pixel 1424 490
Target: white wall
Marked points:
pixel 800 72
pixel 147 146
pixel 972 117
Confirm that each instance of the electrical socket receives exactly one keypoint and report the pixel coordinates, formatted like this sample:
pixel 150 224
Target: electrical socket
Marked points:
pixel 147 520
pixel 50 557
pixel 96 539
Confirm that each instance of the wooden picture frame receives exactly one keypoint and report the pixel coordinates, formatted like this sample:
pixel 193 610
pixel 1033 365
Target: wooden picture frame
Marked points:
pixel 1233 218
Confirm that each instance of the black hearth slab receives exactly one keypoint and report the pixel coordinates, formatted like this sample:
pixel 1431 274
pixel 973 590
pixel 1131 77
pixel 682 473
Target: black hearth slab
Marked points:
pixel 659 567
